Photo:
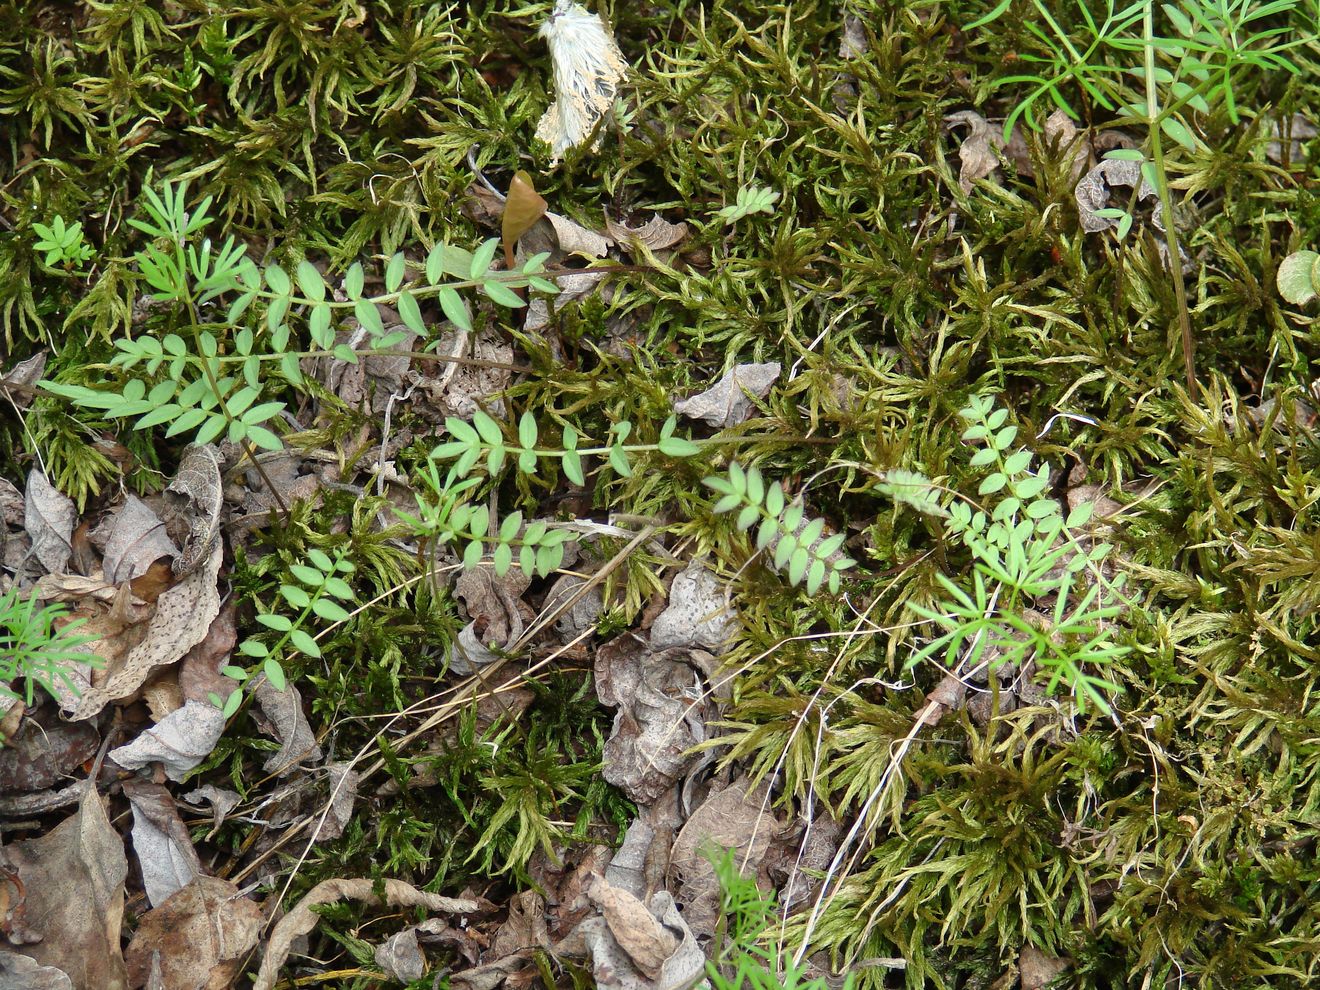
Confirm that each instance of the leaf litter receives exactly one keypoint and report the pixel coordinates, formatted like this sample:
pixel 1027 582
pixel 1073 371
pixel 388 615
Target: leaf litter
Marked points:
pixel 640 915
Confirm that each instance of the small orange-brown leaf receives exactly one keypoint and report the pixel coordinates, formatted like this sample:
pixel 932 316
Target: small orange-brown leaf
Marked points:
pixel 523 207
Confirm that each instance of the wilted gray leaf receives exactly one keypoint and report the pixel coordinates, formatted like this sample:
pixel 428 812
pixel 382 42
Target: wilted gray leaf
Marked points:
pixel 726 403
pixel 48 517
pixel 179 741
pixel 287 723
pixel 164 849
pixel 137 539
pixel 698 613
pixel 23 973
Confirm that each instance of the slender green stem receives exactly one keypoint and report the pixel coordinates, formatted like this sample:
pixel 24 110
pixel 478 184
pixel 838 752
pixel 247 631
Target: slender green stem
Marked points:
pixel 1166 199
pixel 196 327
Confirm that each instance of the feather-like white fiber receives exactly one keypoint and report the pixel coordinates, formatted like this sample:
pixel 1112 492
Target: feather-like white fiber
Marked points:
pixel 588 68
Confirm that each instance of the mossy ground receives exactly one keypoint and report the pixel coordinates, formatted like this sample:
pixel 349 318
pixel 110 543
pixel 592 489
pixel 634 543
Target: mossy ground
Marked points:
pixel 1174 842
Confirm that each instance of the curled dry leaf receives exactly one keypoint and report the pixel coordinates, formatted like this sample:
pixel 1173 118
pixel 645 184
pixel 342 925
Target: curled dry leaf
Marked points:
pixel 627 869
pixel 334 818
pixel 136 540
pixel 524 928
pixel 221 799
pixel 178 742
pixel 582 614
pixel 18 385
pixel 729 401
pixel 736 818
pixel 460 390
pixel 74 880
pixel 76 588
pixel 302 919
pixel 198 493
pixel 698 613
pixel 401 957
pixel 806 858
pixel 22 973
pixel 1093 190
pixel 201 937
pixel 164 849
pixel 284 719
pixel 494 606
pixel 979 151
pixel 612 967
pixel 661 715
pixel 646 941
pixel 657 234
pixel 183 615
pixel 49 516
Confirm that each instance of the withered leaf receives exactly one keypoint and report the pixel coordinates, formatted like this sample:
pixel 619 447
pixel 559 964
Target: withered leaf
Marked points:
pixel 737 818
pixel 660 716
pixel 284 719
pixel 698 613
pixel 74 878
pixel 23 973
pixel 136 540
pixel 164 849
pixel 727 402
pixel 657 234
pixel 179 741
pixel 302 919
pixel 201 935
pixel 638 933
pixel 183 615
pixel 48 517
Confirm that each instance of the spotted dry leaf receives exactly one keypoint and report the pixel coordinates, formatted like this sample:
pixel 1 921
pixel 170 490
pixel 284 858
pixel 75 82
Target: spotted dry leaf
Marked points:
pixel 199 492
pixel 183 615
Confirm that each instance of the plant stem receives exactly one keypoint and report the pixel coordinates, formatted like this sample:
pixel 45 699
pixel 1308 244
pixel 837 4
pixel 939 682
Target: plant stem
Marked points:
pixel 1166 199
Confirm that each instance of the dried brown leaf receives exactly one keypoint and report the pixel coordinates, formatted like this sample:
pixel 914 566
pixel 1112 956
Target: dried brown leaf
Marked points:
pixel 136 540
pixel 657 234
pixel 18 385
pixel 44 752
pixel 49 516
pixel 201 936
pixel 661 715
pixel 284 719
pixel 736 818
pixel 647 942
pixel 183 615
pixel 198 492
pixel 979 151
pixel 74 878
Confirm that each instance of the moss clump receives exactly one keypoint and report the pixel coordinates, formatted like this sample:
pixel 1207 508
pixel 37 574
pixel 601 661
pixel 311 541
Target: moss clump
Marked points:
pixel 1173 842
